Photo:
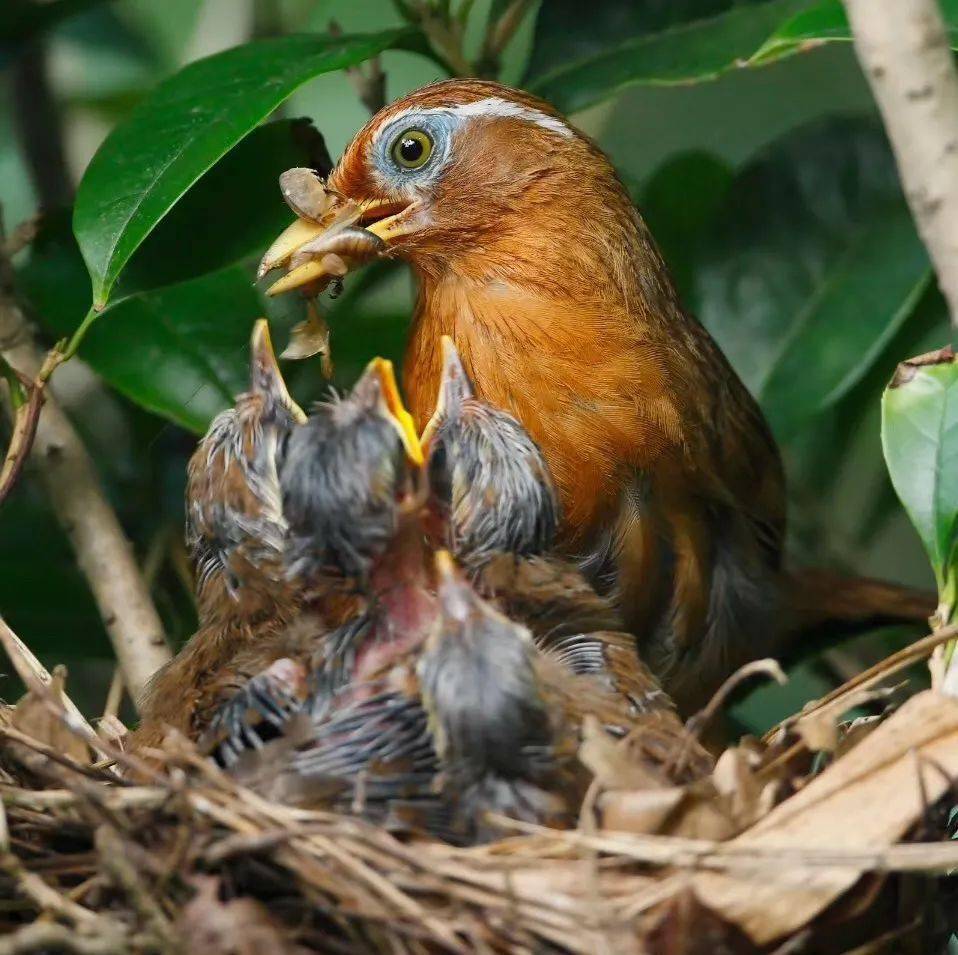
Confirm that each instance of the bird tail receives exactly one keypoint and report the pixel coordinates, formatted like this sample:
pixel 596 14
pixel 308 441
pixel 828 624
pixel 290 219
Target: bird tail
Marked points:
pixel 824 601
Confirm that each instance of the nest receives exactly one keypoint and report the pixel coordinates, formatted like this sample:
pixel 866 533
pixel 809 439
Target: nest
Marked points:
pixel 780 851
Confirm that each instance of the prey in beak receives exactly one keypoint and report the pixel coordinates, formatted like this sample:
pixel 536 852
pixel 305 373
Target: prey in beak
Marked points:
pixel 332 234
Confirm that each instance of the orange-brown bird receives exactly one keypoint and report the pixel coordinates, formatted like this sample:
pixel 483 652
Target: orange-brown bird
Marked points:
pixel 531 256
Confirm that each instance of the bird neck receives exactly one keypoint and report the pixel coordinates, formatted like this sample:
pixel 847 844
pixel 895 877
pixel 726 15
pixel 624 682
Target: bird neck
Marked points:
pixel 400 583
pixel 525 343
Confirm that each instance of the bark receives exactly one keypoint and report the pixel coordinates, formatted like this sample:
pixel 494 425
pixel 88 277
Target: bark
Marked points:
pixel 904 51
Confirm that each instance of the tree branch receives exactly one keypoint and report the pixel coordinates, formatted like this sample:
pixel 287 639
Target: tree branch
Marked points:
pixel 103 552
pixel 904 51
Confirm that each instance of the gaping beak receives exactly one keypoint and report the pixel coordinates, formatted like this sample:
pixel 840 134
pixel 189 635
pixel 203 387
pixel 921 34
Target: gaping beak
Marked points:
pixel 454 389
pixel 382 368
pixel 265 376
pixel 333 236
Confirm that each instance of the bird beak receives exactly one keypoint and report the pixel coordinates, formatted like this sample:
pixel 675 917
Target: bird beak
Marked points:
pixel 382 369
pixel 265 376
pixel 454 389
pixel 455 595
pixel 309 249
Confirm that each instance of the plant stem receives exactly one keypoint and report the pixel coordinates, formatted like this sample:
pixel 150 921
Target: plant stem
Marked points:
pixel 103 552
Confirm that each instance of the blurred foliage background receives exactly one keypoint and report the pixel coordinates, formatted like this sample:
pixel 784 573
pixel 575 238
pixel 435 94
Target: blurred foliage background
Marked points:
pixel 748 139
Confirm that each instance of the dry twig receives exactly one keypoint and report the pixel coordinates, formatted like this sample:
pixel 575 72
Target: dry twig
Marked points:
pixel 103 552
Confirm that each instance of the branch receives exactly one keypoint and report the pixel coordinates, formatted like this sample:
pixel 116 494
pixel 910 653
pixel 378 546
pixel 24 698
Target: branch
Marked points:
pixel 103 552
pixel 904 51
pixel 498 35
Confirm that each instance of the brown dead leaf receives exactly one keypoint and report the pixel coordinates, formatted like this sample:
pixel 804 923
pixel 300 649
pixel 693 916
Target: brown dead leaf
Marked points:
pixel 866 800
pixel 684 926
pixel 638 810
pixel 854 732
pixel 611 760
pixel 702 814
pixel 36 715
pixel 819 731
pixel 239 926
pixel 748 797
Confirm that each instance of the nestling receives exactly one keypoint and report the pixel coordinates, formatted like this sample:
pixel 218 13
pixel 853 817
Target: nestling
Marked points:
pixel 346 480
pixel 236 534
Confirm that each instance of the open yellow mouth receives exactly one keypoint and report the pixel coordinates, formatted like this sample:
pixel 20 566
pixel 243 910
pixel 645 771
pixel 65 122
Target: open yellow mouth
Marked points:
pixel 351 234
pixel 397 410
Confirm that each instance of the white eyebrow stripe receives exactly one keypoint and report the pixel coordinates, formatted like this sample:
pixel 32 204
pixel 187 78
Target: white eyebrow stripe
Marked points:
pixel 494 106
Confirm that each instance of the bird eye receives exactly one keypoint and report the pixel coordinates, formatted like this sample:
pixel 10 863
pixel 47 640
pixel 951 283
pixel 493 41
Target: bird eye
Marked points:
pixel 411 149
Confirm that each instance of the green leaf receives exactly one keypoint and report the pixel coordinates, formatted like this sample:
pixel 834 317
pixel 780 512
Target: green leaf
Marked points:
pixel 826 21
pixel 811 267
pixel 600 55
pixel 869 291
pixel 189 122
pixel 179 351
pixel 232 214
pixel 920 440
pixel 679 203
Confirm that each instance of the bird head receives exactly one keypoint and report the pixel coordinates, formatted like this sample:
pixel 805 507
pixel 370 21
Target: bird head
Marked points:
pixel 235 528
pixel 466 166
pixel 489 479
pixel 479 685
pixel 348 476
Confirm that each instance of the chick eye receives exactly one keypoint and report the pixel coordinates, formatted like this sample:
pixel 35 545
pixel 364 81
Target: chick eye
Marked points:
pixel 411 149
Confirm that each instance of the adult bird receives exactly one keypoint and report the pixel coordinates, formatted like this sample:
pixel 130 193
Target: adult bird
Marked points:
pixel 530 254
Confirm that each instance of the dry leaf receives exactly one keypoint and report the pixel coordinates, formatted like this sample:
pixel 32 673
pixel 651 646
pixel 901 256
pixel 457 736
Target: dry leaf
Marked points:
pixel 684 926
pixel 748 798
pixel 866 800
pixel 638 810
pixel 854 732
pixel 819 731
pixel 611 761
pixel 36 715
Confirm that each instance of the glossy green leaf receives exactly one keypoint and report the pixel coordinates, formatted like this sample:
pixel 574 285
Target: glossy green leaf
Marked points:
pixel 679 204
pixel 825 21
pixel 681 43
pixel 920 440
pixel 178 351
pixel 189 122
pixel 869 291
pixel 812 265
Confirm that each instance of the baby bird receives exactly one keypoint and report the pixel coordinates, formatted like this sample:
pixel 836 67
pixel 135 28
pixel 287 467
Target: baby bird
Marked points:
pixel 495 507
pixel 236 532
pixel 346 480
pixel 502 743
